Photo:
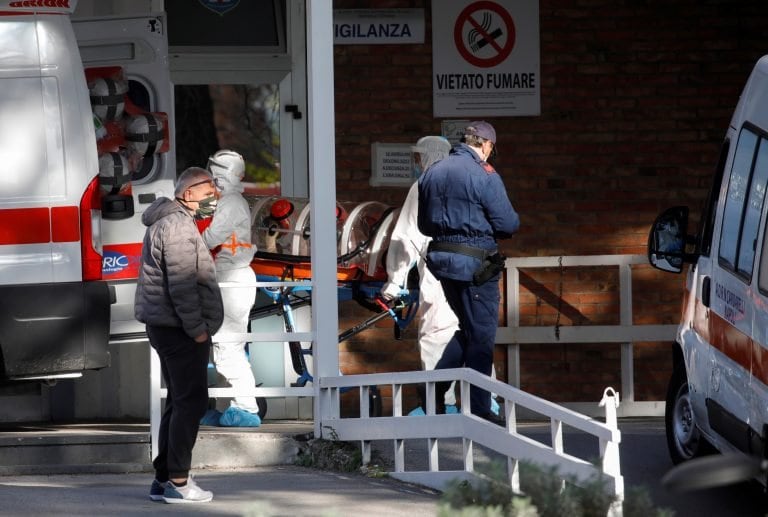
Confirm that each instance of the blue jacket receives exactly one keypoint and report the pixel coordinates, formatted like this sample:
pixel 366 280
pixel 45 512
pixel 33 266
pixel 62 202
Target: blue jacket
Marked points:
pixel 463 200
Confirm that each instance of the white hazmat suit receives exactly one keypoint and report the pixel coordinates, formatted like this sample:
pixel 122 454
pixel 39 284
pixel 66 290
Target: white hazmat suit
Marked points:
pixel 230 235
pixel 408 247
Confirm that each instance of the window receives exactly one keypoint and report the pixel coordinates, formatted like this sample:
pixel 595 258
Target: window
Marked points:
pixel 244 95
pixel 743 204
pixel 252 26
pixel 709 212
pixel 244 118
pixel 139 95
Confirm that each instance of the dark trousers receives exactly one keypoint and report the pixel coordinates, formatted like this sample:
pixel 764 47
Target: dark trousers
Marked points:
pixel 184 364
pixel 477 309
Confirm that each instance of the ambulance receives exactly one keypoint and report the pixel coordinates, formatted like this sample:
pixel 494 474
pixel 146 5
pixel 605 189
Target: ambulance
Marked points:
pixel 85 131
pixel 718 392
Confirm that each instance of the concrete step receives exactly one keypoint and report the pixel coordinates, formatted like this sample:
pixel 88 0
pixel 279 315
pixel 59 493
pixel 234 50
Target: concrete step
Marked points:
pixel 27 449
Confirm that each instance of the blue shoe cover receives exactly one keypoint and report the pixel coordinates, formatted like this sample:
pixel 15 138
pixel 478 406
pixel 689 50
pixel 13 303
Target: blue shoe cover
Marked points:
pixel 417 412
pixel 211 417
pixel 495 408
pixel 451 410
pixel 236 417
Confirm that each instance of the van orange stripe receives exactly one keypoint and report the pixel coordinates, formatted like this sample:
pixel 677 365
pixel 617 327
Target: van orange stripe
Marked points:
pixel 739 347
pixel 39 225
pixel 730 341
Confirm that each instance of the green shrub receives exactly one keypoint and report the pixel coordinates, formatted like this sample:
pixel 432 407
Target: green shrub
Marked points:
pixel 330 455
pixel 547 494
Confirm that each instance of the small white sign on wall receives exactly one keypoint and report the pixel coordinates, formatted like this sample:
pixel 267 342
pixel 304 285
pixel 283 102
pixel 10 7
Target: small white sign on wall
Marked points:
pixel 392 165
pixel 453 130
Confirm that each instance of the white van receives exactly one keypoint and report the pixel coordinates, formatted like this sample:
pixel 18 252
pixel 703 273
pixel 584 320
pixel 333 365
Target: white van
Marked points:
pixel 54 307
pixel 718 393
pixel 66 230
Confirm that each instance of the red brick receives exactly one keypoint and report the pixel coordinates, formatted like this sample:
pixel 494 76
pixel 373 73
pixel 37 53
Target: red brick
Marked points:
pixel 635 103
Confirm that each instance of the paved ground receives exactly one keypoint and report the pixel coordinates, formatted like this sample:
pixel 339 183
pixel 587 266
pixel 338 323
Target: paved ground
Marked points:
pixel 296 491
pixel 256 492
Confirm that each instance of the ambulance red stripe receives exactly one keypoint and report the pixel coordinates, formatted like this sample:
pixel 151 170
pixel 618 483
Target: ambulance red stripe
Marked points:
pixel 39 225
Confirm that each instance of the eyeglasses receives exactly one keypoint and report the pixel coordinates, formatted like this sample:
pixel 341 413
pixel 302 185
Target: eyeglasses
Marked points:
pixel 201 183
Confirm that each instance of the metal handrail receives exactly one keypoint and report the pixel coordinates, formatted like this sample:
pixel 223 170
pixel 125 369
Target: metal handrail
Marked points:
pixel 625 334
pixel 508 442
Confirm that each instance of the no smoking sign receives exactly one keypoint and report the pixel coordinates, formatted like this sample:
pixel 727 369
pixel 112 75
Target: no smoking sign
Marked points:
pixel 484 34
pixel 485 58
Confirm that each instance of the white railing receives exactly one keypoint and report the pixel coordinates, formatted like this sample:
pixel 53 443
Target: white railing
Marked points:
pixel 157 393
pixel 471 429
pixel 507 442
pixel 625 334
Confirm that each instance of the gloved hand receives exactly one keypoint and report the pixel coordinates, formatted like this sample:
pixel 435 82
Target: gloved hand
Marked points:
pixel 391 291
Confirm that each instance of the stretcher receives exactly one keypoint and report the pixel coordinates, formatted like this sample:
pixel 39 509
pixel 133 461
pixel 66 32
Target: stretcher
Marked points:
pixel 281 230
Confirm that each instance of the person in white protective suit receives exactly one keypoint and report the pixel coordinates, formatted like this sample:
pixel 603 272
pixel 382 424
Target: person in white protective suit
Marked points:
pixel 408 247
pixel 229 234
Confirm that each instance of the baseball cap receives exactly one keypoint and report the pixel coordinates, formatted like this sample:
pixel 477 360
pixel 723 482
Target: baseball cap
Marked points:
pixel 482 129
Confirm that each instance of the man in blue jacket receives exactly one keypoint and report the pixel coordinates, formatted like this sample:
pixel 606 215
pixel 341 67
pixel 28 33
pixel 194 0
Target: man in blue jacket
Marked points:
pixel 464 208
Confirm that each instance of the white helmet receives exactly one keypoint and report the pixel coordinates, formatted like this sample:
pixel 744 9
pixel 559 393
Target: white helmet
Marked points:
pixel 145 133
pixel 108 97
pixel 432 149
pixel 114 172
pixel 227 167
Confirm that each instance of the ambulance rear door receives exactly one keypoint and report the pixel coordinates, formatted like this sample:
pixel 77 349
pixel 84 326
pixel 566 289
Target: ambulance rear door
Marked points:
pixel 54 309
pixel 126 59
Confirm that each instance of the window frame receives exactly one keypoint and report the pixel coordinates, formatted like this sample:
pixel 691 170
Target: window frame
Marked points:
pixel 736 268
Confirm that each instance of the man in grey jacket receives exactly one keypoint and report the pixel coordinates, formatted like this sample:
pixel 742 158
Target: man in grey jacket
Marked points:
pixel 178 299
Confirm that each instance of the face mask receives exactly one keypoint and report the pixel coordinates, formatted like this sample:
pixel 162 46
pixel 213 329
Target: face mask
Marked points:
pixel 205 207
pixel 417 169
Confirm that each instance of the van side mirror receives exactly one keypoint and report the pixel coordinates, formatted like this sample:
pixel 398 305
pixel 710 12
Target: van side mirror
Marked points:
pixel 667 240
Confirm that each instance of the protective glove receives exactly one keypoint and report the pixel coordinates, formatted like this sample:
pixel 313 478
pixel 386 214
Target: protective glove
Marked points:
pixel 391 291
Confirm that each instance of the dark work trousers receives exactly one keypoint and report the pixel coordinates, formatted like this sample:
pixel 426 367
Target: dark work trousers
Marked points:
pixel 184 364
pixel 477 308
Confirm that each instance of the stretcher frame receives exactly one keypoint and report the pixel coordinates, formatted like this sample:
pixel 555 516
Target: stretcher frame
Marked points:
pixel 352 286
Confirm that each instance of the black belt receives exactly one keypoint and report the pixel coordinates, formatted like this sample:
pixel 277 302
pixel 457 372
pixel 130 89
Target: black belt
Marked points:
pixel 463 249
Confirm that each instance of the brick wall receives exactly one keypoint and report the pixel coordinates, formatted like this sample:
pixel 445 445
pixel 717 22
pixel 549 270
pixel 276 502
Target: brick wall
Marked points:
pixel 635 99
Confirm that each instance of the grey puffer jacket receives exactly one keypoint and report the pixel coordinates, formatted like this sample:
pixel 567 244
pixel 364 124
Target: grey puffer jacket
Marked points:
pixel 177 279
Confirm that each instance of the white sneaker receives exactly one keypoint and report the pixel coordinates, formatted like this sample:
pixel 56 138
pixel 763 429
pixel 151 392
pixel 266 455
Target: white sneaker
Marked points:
pixel 189 493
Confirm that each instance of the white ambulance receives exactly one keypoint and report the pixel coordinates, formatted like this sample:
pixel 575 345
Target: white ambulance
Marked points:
pixel 718 393
pixel 84 138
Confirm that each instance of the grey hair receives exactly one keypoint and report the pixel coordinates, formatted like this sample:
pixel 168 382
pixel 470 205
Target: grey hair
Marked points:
pixel 474 140
pixel 189 178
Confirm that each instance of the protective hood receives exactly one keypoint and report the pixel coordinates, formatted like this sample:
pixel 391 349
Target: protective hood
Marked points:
pixel 431 149
pixel 228 169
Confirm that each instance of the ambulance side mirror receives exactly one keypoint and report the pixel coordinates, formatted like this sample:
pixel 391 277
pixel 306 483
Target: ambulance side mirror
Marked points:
pixel 667 240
